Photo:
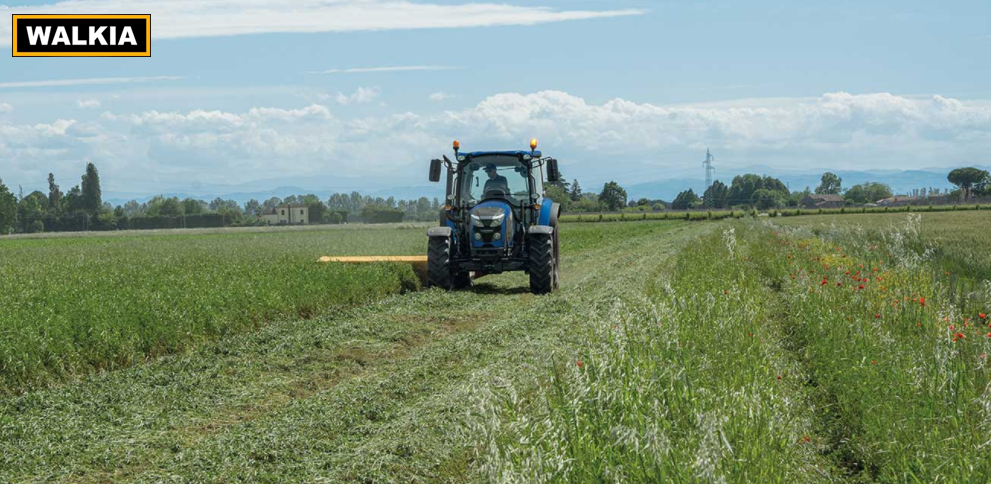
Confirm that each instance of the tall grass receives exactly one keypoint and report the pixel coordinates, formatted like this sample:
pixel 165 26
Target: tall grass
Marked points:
pixel 765 354
pixel 904 365
pixel 76 305
pixel 685 382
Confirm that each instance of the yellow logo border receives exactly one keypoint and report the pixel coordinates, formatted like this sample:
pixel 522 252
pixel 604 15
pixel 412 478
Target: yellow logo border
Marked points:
pixel 146 53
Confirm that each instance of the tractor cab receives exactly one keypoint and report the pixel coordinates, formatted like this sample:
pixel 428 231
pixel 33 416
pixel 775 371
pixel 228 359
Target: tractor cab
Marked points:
pixel 495 211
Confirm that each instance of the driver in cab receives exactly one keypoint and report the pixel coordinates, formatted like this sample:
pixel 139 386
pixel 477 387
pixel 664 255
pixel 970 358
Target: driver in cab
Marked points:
pixel 496 182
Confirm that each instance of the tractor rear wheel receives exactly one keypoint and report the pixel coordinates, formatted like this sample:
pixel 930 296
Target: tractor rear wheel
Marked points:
pixel 541 263
pixel 439 263
pixel 557 260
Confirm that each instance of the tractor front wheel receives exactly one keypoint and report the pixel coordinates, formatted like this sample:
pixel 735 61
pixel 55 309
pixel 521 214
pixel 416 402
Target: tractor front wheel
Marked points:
pixel 439 263
pixel 541 263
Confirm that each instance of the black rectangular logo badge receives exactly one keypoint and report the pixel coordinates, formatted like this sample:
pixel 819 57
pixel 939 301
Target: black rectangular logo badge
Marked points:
pixel 81 35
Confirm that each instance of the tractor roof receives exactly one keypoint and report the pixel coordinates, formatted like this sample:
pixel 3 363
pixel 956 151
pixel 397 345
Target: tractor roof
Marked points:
pixel 535 154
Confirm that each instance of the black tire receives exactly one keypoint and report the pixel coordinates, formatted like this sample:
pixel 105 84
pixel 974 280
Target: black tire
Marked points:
pixel 541 263
pixel 557 260
pixel 439 263
pixel 462 280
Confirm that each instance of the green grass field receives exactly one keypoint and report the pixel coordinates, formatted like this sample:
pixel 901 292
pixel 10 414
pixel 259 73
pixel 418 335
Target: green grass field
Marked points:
pixel 77 304
pixel 809 349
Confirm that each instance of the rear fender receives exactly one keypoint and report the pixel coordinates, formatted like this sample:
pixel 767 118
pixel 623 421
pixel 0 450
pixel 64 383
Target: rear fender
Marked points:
pixel 549 211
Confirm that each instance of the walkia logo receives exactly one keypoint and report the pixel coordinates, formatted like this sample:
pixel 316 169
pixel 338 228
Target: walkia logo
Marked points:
pixel 81 35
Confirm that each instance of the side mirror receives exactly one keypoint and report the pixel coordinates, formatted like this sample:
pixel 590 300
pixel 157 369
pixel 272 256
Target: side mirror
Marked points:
pixel 435 170
pixel 553 175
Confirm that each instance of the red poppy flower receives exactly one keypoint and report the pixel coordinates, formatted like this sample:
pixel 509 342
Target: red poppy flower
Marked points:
pixel 838 284
pixel 579 363
pixel 959 336
pixel 779 377
pixel 860 286
pixel 877 316
pixel 983 316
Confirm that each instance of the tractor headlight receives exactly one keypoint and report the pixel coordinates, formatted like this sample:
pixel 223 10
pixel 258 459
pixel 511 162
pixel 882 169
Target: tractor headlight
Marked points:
pixel 478 236
pixel 497 236
pixel 476 221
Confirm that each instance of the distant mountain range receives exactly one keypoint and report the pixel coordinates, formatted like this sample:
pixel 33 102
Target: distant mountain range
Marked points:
pixel 901 181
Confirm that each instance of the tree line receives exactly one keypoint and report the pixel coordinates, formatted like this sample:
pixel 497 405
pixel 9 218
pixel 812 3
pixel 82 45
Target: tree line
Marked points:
pixel 82 208
pixel 765 192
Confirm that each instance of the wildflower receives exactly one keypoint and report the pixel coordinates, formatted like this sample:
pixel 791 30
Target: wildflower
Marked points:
pixel 983 316
pixel 579 363
pixel 959 336
pixel 779 377
pixel 877 316
pixel 838 284
pixel 989 335
pixel 952 327
pixel 873 362
pixel 922 301
pixel 860 286
pixel 806 439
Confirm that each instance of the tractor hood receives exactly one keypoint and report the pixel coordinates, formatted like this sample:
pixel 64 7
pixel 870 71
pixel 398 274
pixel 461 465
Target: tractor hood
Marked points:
pixel 491 224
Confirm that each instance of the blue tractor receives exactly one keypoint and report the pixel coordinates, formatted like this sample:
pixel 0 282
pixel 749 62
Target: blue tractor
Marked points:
pixel 495 219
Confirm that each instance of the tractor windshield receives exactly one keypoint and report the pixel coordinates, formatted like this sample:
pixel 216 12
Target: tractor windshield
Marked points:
pixel 495 176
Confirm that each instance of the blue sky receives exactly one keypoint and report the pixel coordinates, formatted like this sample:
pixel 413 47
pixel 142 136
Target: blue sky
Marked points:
pixel 237 93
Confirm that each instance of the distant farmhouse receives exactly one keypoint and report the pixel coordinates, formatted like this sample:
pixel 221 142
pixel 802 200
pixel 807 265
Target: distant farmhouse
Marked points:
pixel 287 214
pixel 899 201
pixel 816 200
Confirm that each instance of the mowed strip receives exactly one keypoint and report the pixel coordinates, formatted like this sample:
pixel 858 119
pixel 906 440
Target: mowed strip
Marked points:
pixel 374 393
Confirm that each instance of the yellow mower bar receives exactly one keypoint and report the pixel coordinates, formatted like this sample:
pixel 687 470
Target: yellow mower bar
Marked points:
pixel 418 262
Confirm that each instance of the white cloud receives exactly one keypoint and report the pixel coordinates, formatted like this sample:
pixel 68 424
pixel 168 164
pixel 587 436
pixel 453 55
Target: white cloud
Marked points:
pixel 833 120
pixel 618 139
pixel 440 96
pixel 86 82
pixel 210 18
pixel 363 95
pixel 6 108
pixel 366 70
pixel 88 103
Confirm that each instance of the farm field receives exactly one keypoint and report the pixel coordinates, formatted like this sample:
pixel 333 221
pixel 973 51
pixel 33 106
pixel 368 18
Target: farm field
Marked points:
pixel 73 305
pixel 775 350
pixel 961 240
